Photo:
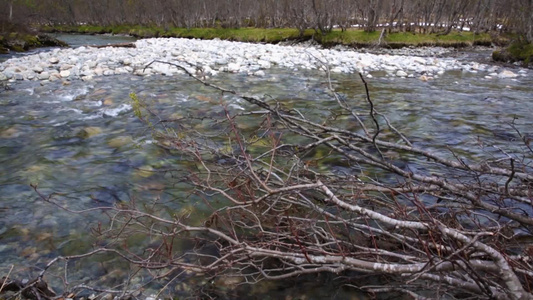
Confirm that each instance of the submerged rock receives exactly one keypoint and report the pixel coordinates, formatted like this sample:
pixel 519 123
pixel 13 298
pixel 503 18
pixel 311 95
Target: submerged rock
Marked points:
pixel 89 132
pixel 119 141
pixel 507 74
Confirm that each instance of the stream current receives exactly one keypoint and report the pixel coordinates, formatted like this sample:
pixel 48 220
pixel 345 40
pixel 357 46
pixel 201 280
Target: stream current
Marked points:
pixel 83 141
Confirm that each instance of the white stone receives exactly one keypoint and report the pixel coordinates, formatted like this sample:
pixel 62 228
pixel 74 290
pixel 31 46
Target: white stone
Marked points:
pixel 54 77
pixel 233 68
pixel 120 71
pixel 65 73
pixel 263 64
pixel 259 73
pixel 87 73
pixel 507 74
pixel 65 67
pixel 221 61
pixel 401 73
pixel 142 72
pixel 43 76
pixel 8 74
pixel 420 60
pixel 3 77
pixel 492 69
pixel 216 55
pixel 30 75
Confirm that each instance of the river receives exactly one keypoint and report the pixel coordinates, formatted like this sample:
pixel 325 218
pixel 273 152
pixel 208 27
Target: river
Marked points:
pixel 83 142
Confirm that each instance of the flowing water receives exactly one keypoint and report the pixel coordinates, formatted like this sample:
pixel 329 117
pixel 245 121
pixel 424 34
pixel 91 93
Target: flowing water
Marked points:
pixel 83 141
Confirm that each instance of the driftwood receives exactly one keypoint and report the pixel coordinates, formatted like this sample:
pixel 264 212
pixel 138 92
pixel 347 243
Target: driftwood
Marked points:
pixel 121 45
pixel 34 289
pixel 452 229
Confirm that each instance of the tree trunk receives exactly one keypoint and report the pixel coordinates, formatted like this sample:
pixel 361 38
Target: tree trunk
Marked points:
pixel 529 33
pixel 10 19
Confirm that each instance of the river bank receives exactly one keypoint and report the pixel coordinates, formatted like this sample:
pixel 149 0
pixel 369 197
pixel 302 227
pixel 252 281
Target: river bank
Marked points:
pixel 509 49
pixel 21 42
pixel 209 57
pixel 352 37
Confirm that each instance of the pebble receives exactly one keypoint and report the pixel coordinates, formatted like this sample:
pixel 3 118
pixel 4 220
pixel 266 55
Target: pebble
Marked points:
pixel 43 76
pixel 260 73
pixel 214 56
pixel 66 67
pixel 54 76
pixel 401 73
pixel 64 74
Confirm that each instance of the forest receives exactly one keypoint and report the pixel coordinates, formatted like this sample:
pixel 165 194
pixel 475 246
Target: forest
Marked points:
pixel 395 15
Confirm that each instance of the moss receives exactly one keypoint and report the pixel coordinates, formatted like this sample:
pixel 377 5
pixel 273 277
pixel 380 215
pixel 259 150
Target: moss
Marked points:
pixel 20 42
pixel 518 51
pixel 48 41
pixel 17 48
pixel 31 41
pixel 454 39
pixel 349 37
pixel 522 51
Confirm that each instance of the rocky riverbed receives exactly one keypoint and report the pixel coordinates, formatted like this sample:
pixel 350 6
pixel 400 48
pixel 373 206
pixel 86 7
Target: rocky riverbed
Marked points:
pixel 81 140
pixel 209 57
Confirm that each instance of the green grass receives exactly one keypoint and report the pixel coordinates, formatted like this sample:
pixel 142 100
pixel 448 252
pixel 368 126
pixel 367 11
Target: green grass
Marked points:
pixel 359 37
pixel 350 37
pixel 521 51
pixel 518 51
pixel 273 35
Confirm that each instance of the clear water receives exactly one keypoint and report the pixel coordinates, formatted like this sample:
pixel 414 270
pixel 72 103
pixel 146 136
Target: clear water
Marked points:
pixel 83 142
